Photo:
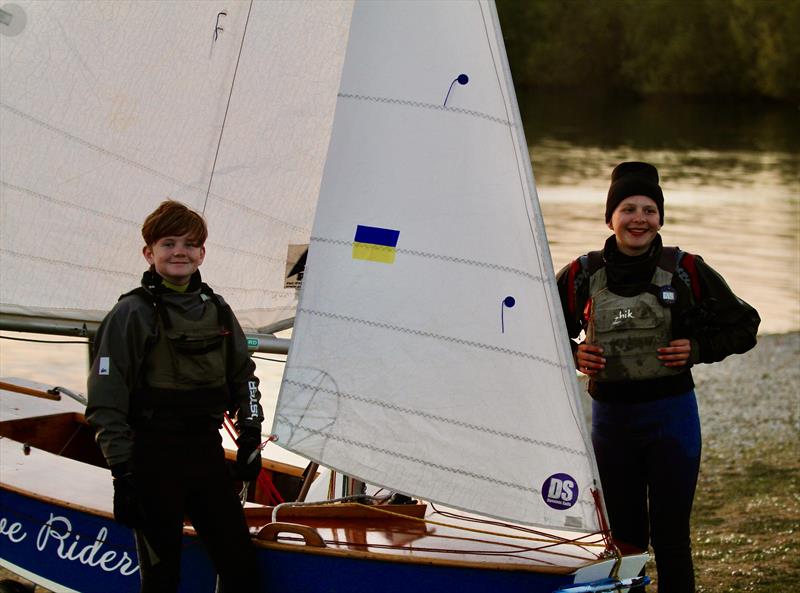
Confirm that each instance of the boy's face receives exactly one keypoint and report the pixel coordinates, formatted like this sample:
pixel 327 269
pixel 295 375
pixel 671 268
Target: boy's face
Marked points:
pixel 635 223
pixel 175 258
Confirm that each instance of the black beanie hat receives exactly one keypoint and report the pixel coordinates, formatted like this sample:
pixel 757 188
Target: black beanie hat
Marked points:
pixel 634 179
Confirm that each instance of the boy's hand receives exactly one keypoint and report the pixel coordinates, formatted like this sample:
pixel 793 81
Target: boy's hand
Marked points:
pixel 248 457
pixel 677 353
pixel 128 508
pixel 589 359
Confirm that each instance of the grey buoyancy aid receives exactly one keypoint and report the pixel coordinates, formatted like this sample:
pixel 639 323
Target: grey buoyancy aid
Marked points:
pixel 631 329
pixel 184 370
pixel 187 354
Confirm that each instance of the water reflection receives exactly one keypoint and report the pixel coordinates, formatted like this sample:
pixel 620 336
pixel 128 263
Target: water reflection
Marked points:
pixel 731 186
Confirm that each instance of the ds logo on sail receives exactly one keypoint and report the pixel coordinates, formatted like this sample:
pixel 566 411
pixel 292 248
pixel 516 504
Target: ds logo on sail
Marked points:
pixel 560 491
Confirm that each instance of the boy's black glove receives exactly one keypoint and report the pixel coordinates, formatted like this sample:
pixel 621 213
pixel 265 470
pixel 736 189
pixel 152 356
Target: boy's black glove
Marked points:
pixel 248 457
pixel 128 508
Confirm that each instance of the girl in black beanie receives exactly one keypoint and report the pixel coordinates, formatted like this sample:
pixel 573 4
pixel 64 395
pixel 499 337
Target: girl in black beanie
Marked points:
pixel 648 313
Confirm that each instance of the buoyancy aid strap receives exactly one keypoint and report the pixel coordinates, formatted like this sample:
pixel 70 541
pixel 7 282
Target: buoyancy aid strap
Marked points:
pixel 669 259
pixel 585 266
pixel 593 261
pixel 223 309
pixel 574 268
pixel 155 299
pixel 687 262
pixel 676 261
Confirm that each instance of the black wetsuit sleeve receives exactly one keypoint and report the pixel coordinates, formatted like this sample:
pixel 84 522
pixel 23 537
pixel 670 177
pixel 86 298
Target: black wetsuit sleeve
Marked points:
pixel 720 322
pixel 118 354
pixel 242 382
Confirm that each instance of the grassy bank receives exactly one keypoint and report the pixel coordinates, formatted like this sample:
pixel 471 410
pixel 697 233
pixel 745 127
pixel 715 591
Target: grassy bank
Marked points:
pixel 746 520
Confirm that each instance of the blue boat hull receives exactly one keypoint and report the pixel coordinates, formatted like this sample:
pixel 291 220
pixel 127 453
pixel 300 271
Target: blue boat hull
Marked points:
pixel 83 552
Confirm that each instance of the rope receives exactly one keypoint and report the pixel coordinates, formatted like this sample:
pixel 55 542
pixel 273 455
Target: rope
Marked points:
pixel 549 540
pixel 228 105
pixel 45 341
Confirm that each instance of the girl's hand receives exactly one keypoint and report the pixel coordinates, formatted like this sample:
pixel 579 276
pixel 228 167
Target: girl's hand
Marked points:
pixel 589 359
pixel 676 354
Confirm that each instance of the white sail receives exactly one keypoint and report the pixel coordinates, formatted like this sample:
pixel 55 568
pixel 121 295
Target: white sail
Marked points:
pixel 108 108
pixel 410 367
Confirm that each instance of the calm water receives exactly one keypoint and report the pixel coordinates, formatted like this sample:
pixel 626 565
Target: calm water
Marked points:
pixel 731 180
pixel 730 174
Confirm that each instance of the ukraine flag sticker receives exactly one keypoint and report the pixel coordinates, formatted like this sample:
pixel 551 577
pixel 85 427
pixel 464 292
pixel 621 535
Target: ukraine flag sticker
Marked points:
pixel 375 244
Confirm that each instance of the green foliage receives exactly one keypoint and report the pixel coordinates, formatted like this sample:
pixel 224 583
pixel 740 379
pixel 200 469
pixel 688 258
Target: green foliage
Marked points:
pixel 656 47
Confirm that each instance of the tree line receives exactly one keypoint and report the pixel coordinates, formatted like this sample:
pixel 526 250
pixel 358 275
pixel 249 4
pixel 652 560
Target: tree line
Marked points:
pixel 742 48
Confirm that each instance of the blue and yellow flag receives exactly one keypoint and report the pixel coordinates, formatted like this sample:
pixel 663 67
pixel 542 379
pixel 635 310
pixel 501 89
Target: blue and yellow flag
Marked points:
pixel 375 244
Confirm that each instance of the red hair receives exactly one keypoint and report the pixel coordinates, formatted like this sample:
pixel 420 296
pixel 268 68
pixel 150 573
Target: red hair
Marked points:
pixel 173 219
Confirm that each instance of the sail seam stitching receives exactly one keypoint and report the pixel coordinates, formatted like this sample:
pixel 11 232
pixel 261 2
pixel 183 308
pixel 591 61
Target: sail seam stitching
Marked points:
pixel 146 169
pixel 131 223
pixel 397 454
pixel 53 200
pixel 448 258
pixel 67 264
pixel 425 334
pixel 452 421
pixel 432 106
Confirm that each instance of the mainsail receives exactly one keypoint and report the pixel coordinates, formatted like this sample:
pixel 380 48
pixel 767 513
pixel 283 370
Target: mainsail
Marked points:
pixel 429 354
pixel 108 108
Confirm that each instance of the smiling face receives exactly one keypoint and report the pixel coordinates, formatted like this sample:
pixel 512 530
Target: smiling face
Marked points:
pixel 635 223
pixel 175 258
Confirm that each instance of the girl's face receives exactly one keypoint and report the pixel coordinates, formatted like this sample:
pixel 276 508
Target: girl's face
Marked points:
pixel 175 258
pixel 635 223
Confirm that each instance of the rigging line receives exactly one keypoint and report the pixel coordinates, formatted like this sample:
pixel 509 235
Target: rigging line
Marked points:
pixel 522 528
pixel 516 555
pixel 545 540
pixel 45 341
pixel 227 107
pixel 265 358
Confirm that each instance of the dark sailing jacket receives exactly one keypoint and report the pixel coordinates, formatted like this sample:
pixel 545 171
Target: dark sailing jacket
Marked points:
pixel 123 364
pixel 717 322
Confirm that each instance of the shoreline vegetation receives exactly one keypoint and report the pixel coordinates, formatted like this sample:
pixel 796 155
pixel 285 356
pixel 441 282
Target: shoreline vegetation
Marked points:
pixel 746 519
pixel 719 48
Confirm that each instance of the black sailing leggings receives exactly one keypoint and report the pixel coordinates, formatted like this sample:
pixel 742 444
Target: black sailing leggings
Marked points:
pixel 177 474
pixel 648 454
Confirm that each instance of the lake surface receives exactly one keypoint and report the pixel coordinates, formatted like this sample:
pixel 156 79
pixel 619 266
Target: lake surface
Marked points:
pixel 730 173
pixel 731 179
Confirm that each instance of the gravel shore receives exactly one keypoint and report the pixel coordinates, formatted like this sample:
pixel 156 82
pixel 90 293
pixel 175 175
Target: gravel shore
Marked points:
pixel 746 522
pixel 752 400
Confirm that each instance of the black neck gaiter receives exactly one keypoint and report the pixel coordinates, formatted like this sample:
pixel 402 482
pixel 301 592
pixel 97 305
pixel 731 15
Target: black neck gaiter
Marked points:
pixel 630 275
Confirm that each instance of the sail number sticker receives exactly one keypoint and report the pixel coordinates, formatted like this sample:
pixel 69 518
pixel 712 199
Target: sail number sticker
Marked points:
pixel 560 491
